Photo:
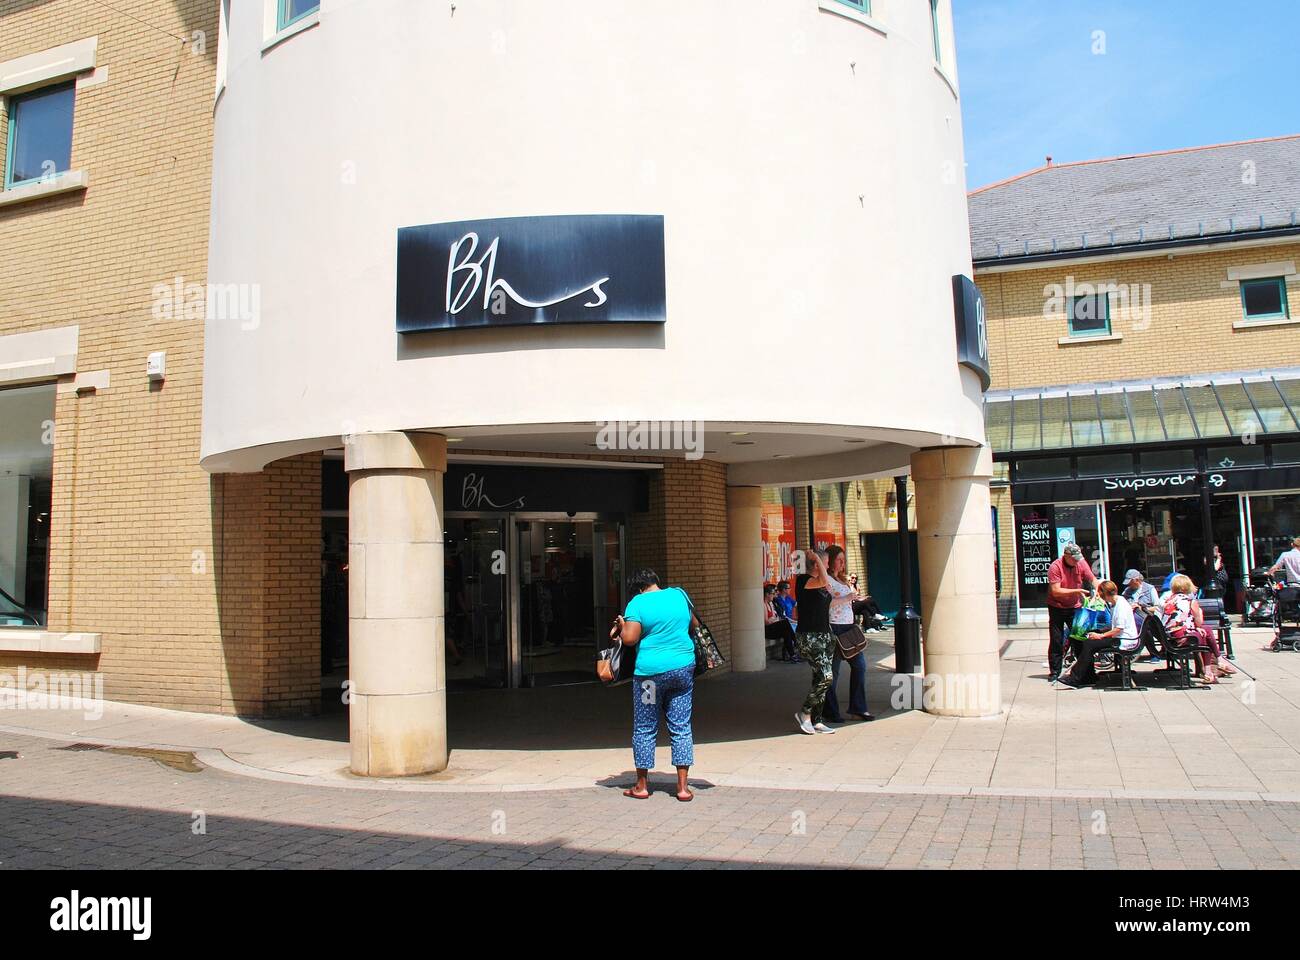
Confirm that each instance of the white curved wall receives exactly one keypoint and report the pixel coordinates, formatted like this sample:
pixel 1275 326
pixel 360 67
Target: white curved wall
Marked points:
pixel 809 169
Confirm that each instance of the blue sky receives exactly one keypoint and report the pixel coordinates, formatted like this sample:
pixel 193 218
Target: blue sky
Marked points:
pixel 1175 73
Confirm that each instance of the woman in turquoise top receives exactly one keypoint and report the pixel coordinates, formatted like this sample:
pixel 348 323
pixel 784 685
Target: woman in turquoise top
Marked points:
pixel 659 624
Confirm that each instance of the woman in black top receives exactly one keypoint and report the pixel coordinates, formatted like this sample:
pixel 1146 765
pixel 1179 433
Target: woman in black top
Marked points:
pixel 816 642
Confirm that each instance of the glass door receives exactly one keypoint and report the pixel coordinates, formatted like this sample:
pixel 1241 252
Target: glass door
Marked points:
pixel 570 590
pixel 476 593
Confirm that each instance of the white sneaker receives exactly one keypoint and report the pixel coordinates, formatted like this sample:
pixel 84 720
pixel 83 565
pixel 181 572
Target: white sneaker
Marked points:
pixel 805 724
pixel 822 728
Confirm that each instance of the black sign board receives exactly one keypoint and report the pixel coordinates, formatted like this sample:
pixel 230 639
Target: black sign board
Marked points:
pixel 521 271
pixel 972 329
pixel 1036 549
pixel 1151 487
pixel 512 489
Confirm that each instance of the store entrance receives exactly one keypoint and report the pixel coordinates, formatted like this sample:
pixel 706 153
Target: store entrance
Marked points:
pixel 570 590
pixel 1159 536
pixel 528 598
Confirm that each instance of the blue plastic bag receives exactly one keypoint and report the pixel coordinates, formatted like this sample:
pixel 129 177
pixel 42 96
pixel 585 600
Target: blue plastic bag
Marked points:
pixel 1093 617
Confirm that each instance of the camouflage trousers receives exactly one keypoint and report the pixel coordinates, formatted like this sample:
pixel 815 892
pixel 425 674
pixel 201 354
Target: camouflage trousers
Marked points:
pixel 818 649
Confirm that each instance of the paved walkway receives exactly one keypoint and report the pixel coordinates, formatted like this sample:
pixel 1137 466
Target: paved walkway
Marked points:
pixel 87 809
pixel 1240 741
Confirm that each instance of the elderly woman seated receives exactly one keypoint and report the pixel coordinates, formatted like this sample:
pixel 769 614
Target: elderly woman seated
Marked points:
pixel 1123 634
pixel 1185 623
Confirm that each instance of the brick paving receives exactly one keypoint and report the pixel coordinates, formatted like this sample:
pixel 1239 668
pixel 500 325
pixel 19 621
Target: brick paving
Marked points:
pixel 63 808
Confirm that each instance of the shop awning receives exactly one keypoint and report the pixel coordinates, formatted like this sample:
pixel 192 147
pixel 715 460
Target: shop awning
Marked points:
pixel 1219 408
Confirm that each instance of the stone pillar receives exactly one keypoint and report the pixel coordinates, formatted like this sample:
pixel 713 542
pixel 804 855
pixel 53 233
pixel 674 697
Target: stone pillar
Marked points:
pixel 745 556
pixel 958 599
pixel 398 722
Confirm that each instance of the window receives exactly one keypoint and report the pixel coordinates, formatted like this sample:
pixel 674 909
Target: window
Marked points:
pixel 1264 299
pixel 40 135
pixel 1242 455
pixel 1090 316
pixel 1274 521
pixel 1057 468
pixel 26 469
pixel 291 11
pixel 1167 461
pixel 934 30
pixel 1103 465
pixel 862 6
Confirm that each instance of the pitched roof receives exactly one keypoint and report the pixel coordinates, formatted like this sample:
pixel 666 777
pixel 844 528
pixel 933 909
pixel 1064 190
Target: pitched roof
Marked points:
pixel 1148 199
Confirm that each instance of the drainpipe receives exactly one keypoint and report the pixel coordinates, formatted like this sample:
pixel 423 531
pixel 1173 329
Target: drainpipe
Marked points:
pixel 907 624
pixel 1207 526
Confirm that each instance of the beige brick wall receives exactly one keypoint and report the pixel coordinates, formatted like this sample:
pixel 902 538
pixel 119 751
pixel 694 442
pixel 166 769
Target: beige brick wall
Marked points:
pixel 1190 328
pixel 684 538
pixel 268 528
pixel 132 552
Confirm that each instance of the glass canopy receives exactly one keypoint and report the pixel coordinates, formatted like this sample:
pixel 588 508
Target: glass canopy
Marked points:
pixel 1024 421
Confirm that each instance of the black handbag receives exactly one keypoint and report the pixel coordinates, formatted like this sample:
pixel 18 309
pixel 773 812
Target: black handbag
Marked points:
pixel 707 654
pixel 617 665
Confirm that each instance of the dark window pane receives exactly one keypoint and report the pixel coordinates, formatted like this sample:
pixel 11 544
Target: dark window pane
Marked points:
pixel 1057 468
pixel 1244 455
pixel 1286 453
pixel 1263 298
pixel 1168 461
pixel 1090 315
pixel 42 134
pixel 26 470
pixel 1118 465
pixel 1274 521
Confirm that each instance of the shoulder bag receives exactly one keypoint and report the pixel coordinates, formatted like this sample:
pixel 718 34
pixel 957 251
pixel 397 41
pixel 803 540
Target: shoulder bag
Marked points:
pixel 707 655
pixel 851 642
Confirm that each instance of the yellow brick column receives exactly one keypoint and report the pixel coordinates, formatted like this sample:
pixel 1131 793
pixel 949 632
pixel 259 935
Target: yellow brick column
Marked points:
pixel 745 562
pixel 398 720
pixel 958 600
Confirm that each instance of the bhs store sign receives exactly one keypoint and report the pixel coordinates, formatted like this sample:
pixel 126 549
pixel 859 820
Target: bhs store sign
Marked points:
pixel 531 270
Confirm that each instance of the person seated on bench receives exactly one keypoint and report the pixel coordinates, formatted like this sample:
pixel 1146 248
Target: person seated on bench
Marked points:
pixel 1185 623
pixel 1123 634
pixel 1143 599
pixel 776 625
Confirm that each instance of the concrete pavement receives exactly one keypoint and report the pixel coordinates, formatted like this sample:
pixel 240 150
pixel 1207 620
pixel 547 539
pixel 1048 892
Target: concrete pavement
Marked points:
pixel 1239 741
